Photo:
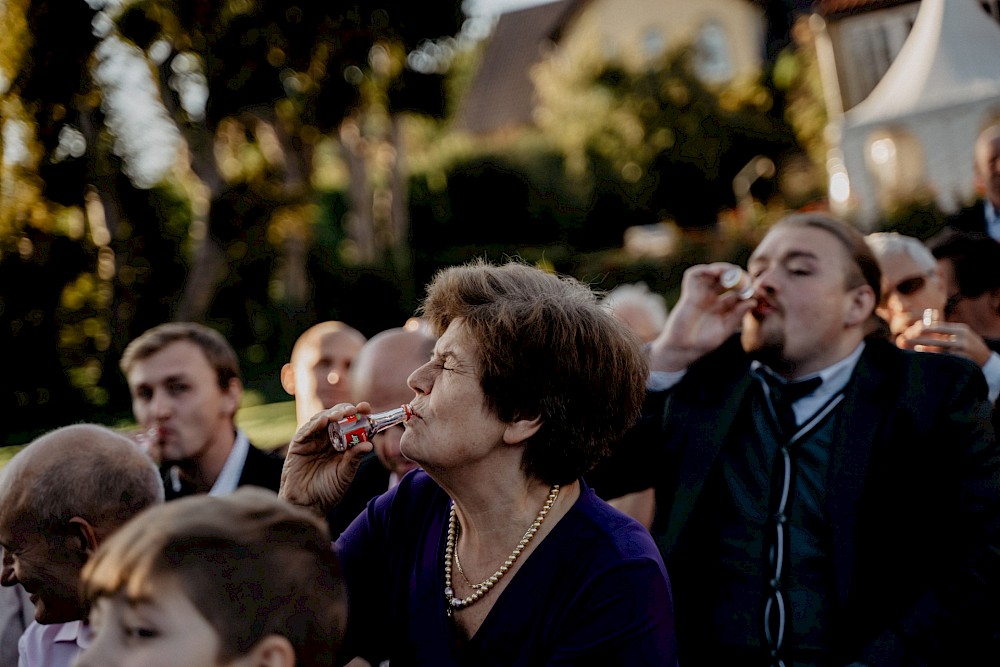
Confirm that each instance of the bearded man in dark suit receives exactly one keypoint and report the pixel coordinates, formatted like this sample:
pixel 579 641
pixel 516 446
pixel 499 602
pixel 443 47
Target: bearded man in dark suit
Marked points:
pixel 857 523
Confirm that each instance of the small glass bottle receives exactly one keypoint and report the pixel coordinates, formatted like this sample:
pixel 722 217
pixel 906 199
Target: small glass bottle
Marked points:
pixel 354 430
pixel 739 281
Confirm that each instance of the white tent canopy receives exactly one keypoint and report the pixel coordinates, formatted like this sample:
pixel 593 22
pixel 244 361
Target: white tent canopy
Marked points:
pixel 915 131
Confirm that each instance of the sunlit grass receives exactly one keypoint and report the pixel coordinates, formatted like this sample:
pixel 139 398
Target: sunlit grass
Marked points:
pixel 268 426
pixel 7 452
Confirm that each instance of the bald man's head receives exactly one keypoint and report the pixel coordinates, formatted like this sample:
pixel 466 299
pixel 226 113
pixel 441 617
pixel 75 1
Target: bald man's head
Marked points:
pixel 317 373
pixel 381 368
pixel 59 498
pixel 379 375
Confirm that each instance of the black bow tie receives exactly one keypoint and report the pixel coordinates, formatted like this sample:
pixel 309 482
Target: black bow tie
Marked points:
pixel 784 394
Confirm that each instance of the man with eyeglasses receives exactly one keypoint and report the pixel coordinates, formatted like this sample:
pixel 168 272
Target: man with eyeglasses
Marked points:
pixel 823 497
pixel 916 306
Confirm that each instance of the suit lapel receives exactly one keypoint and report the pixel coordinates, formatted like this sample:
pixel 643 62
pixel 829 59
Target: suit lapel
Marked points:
pixel 868 400
pixel 705 420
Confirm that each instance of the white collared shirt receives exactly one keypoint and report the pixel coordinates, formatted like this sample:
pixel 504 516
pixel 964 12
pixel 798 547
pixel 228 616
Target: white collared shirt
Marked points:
pixel 55 645
pixel 992 220
pixel 835 378
pixel 991 369
pixel 229 476
pixel 232 469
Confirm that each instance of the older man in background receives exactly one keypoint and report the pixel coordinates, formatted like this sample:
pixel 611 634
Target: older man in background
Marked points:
pixel 983 217
pixel 914 303
pixel 60 497
pixel 317 374
pixel 378 376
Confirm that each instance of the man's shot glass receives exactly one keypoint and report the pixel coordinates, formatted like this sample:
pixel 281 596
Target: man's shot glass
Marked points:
pixel 148 442
pixel 739 281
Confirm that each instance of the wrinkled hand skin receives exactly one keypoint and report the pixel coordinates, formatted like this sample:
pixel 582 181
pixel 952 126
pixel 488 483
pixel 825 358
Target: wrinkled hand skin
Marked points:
pixel 315 475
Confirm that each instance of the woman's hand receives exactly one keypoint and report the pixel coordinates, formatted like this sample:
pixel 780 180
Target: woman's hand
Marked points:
pixel 315 474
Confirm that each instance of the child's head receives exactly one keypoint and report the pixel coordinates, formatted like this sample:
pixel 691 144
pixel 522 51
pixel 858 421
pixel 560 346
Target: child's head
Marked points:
pixel 259 573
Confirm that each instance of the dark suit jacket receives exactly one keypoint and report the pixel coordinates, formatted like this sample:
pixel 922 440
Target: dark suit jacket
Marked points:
pixel 260 469
pixel 371 480
pixel 971 219
pixel 913 500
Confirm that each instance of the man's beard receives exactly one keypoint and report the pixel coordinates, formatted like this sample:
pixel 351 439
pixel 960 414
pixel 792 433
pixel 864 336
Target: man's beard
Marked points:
pixel 767 349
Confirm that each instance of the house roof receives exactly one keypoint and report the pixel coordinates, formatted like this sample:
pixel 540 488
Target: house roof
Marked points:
pixel 951 57
pixel 501 93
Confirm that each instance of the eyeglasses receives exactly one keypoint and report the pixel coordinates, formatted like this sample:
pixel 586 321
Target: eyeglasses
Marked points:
pixel 907 286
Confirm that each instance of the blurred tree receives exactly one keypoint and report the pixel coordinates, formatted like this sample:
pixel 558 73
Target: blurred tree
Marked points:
pixel 675 143
pixel 796 75
pixel 258 87
pixel 97 103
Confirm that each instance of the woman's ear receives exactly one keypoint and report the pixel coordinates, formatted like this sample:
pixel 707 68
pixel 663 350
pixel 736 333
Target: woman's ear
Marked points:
pixel 271 651
pixel 521 429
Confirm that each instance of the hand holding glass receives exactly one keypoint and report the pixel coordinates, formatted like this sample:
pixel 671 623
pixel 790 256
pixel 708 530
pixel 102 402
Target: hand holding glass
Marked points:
pixel 355 429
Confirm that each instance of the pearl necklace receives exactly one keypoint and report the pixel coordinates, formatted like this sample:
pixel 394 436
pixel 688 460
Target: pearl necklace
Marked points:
pixel 458 564
pixel 481 589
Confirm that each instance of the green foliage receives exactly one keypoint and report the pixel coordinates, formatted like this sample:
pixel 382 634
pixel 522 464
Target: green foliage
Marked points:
pixel 797 78
pixel 315 55
pixel 670 141
pixel 7 452
pixel 88 260
pixel 918 216
pixel 268 425
pixel 268 201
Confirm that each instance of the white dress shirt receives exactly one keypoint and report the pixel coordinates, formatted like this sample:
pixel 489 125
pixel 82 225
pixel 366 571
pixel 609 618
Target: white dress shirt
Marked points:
pixel 229 476
pixel 55 645
pixel 992 220
pixel 835 378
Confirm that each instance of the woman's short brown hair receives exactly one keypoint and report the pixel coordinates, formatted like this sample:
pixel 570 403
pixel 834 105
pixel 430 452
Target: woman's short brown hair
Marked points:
pixel 548 350
pixel 252 564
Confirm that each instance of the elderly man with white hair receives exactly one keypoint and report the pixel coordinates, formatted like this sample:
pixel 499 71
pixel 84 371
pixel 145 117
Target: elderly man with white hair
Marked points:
pixel 913 304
